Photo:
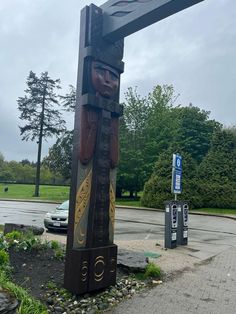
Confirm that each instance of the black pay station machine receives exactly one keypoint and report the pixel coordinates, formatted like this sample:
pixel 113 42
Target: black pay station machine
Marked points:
pixel 176 223
pixel 171 224
pixel 182 230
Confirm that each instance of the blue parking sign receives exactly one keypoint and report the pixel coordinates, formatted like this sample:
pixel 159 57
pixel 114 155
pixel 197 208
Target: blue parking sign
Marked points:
pixel 176 174
pixel 177 161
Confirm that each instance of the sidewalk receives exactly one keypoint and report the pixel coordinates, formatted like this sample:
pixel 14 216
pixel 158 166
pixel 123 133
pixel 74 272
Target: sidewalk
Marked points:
pixel 208 288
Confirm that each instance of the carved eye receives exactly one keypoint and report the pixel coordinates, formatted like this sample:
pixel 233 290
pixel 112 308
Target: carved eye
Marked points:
pixel 100 71
pixel 120 13
pixel 113 76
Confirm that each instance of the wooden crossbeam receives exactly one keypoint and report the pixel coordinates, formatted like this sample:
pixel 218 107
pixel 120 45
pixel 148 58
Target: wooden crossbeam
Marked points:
pixel 125 17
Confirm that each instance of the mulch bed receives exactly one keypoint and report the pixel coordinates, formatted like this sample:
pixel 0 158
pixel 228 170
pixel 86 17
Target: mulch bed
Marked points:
pixel 33 269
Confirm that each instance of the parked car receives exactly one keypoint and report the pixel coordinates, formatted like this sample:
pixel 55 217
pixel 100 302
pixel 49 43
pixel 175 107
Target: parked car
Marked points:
pixel 57 219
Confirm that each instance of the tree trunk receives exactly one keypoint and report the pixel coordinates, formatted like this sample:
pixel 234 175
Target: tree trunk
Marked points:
pixel 37 179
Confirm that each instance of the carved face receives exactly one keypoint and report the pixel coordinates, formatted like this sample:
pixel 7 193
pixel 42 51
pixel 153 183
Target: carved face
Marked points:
pixel 105 79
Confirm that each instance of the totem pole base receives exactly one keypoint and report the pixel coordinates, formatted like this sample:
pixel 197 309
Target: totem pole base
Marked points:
pixel 90 269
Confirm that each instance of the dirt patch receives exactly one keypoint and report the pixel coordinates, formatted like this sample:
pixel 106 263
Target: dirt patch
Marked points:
pixel 33 269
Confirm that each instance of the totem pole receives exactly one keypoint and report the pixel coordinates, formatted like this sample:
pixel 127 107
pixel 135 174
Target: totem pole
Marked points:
pixel 91 255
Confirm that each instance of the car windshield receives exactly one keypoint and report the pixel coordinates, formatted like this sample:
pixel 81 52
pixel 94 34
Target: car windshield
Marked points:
pixel 64 206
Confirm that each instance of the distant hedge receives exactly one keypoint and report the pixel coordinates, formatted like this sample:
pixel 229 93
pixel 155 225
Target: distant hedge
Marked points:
pixel 199 194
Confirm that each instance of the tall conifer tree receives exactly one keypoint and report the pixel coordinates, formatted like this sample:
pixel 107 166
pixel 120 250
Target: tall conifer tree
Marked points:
pixel 39 108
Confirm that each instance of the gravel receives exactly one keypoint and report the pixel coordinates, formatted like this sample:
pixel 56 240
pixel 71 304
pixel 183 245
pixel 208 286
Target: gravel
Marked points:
pixel 62 302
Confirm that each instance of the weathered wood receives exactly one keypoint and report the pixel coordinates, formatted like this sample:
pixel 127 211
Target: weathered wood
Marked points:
pixel 125 17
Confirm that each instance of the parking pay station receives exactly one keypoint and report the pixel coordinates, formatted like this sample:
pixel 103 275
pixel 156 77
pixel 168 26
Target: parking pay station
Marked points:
pixel 176 212
pixel 171 224
pixel 182 229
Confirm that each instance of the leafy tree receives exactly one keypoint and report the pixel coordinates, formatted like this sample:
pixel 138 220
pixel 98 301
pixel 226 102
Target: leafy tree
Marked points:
pixel 194 130
pixel 60 155
pixel 161 126
pixel 131 173
pixel 25 162
pixel 40 109
pixel 146 130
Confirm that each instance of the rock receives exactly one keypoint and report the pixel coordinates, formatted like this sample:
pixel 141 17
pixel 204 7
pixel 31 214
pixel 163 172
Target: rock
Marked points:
pixel 58 309
pixel 125 291
pixel 50 301
pixel 8 304
pixel 103 306
pixel 9 227
pixel 131 261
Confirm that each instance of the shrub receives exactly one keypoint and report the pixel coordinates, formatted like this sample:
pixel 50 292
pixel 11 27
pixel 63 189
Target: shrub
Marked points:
pixel 4 258
pixel 59 254
pixel 152 271
pixel 14 235
pixel 55 245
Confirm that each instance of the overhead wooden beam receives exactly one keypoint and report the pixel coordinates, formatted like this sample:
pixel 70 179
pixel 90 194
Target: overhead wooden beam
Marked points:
pixel 125 17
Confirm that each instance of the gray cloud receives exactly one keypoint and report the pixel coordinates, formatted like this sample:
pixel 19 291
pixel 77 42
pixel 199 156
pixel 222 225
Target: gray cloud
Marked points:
pixel 194 50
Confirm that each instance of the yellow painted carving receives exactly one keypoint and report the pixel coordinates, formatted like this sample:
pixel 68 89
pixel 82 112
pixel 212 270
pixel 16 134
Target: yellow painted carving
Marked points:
pixel 99 276
pixel 79 235
pixel 82 197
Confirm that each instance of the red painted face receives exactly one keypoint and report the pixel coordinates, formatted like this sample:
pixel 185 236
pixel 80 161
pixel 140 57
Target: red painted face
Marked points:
pixel 105 79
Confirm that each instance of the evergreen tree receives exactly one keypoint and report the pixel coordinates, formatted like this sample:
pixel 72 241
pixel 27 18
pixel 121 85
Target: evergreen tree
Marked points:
pixel 39 108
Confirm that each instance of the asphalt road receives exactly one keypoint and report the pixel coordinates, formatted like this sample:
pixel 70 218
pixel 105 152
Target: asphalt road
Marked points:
pixel 214 234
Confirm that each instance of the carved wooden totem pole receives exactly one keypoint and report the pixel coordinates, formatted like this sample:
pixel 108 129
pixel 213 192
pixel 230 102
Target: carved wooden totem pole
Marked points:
pixel 91 256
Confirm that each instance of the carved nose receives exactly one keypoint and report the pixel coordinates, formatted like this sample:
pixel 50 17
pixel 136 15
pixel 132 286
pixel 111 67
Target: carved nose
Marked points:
pixel 107 76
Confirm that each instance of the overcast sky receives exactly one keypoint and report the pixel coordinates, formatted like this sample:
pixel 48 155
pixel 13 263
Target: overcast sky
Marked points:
pixel 194 50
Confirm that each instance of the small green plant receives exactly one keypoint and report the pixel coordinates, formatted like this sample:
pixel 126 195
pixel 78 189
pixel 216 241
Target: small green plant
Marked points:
pixel 29 242
pixel 59 254
pixel 55 245
pixel 152 271
pixel 51 285
pixel 3 243
pixel 14 235
pixel 4 258
pixel 28 305
pixel 65 293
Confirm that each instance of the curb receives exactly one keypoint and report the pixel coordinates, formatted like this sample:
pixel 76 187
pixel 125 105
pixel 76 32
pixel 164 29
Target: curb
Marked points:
pixel 122 207
pixel 190 213
pixel 29 201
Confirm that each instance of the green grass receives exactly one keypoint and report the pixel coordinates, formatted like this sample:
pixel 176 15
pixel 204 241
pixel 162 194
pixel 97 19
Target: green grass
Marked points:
pixel 61 193
pixel 1 228
pixel 48 193
pixel 26 191
pixel 224 211
pixel 128 202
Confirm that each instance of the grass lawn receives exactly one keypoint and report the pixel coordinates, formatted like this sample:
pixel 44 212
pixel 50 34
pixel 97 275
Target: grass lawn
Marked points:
pixel 61 193
pixel 217 211
pixel 48 193
pixel 26 191
pixel 128 202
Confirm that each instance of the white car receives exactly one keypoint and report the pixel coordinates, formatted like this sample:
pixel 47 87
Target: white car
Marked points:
pixel 57 219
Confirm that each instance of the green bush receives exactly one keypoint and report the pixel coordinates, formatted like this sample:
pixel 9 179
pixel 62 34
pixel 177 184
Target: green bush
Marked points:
pixel 55 245
pixel 14 235
pixel 198 193
pixel 59 254
pixel 4 258
pixel 152 271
